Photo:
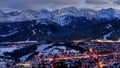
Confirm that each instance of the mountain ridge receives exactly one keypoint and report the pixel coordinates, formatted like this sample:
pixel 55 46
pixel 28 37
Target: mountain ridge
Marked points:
pixel 58 15
pixel 61 24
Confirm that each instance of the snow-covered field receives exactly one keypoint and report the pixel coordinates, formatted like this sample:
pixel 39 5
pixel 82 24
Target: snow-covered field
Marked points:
pixel 42 47
pixel 2 50
pixel 49 49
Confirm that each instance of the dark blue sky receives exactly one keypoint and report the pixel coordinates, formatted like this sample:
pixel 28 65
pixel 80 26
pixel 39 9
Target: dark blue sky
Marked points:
pixel 53 4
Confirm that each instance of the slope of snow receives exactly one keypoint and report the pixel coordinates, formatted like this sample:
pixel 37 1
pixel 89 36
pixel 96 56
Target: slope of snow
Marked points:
pixel 58 50
pixel 106 13
pixel 26 42
pixel 105 37
pixel 87 13
pixel 3 64
pixel 108 26
pixel 49 49
pixel 2 50
pixel 58 15
pixel 2 16
pixel 62 21
pixel 23 58
pixel 42 47
pixel 33 32
pixel 44 14
pixel 5 35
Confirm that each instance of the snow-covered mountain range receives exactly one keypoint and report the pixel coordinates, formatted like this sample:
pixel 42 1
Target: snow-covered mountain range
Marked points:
pixel 58 15
pixel 61 24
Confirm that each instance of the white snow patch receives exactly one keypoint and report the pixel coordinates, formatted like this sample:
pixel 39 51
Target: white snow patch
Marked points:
pixel 23 58
pixel 3 65
pixel 42 47
pixel 9 34
pixel 28 39
pixel 26 42
pixel 108 26
pixel 33 32
pixel 107 35
pixel 58 50
pixel 2 50
pixel 74 51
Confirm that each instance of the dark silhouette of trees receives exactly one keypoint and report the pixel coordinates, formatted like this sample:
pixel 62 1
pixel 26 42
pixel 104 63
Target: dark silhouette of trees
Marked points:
pixel 16 54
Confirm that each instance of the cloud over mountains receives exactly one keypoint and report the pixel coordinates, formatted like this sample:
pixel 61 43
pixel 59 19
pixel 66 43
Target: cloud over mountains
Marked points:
pixel 53 4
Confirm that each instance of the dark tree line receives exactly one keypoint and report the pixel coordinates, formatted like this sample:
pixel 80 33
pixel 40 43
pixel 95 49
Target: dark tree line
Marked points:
pixel 16 54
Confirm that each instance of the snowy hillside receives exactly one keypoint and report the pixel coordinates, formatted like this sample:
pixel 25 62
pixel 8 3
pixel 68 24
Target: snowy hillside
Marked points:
pixel 60 24
pixel 58 15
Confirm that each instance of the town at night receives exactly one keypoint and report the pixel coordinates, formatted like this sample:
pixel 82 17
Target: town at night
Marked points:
pixel 60 34
pixel 74 54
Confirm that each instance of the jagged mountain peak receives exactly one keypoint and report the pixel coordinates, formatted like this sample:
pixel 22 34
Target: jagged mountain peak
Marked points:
pixel 58 15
